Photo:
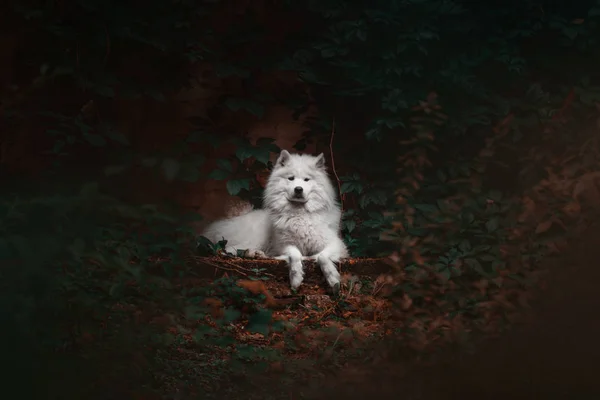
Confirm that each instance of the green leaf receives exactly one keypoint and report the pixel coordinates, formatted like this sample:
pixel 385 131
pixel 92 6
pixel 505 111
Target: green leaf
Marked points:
pixel 234 186
pixel 262 155
pixel 236 104
pixel 267 143
pixel 352 186
pixel 350 224
pixel 218 175
pixel 464 246
pixel 243 153
pixel 230 314
pixel 594 11
pixel 443 206
pixel 468 217
pixel 329 52
pixel 202 331
pixel 492 224
pixel 377 197
pixel 426 209
pixel 259 321
pixel 225 164
pixel 476 266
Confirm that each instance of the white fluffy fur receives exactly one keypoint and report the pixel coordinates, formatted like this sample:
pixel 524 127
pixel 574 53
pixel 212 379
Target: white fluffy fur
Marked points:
pixel 294 224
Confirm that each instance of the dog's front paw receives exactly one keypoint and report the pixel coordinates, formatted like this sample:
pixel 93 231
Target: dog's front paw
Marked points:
pixel 254 254
pixel 296 278
pixel 333 278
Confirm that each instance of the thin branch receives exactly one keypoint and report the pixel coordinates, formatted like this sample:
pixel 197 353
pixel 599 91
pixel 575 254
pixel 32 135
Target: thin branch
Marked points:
pixel 231 266
pixel 337 178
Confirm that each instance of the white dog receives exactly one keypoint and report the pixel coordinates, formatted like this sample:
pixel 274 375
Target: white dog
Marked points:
pixel 300 220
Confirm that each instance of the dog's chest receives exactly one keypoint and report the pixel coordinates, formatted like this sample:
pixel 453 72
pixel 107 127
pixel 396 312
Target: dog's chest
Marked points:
pixel 310 235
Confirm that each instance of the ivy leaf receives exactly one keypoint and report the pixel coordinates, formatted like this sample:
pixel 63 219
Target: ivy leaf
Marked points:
pixel 492 224
pixel 351 186
pixel 464 246
pixel 225 165
pixel 259 321
pixel 476 266
pixel 349 225
pixel 218 174
pixel 234 186
pixel 376 197
pixel 443 206
pixel 243 153
pixel 262 155
pixel 328 52
pixel 426 208
pixel 467 217
pixel 267 143
pixel 230 314
pixel 236 104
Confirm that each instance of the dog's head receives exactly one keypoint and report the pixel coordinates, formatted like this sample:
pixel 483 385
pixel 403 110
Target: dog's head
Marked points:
pixel 299 180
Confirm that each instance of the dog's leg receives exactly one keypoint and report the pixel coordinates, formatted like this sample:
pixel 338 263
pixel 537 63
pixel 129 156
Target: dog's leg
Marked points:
pixel 326 259
pixel 231 250
pixel 293 256
pixel 254 254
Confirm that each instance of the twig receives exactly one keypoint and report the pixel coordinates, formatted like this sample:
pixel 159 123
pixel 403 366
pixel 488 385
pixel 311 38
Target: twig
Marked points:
pixel 234 267
pixel 337 178
pixel 205 260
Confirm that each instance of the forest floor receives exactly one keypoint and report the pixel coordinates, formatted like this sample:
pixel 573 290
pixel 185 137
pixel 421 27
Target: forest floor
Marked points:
pixel 550 353
pixel 370 341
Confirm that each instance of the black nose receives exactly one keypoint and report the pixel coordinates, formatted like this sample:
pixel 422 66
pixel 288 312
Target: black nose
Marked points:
pixel 298 189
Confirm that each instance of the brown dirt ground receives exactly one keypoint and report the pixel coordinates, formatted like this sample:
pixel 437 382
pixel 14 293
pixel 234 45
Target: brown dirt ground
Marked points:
pixel 554 354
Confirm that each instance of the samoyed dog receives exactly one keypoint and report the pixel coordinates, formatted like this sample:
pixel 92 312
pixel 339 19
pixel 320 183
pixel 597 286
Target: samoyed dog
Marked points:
pixel 300 220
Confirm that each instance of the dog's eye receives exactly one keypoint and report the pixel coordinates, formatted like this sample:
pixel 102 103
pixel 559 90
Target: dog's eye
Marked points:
pixel 306 179
pixel 291 178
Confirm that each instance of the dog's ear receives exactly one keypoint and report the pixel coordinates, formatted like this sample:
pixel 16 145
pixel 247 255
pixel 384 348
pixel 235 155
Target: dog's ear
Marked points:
pixel 284 157
pixel 320 161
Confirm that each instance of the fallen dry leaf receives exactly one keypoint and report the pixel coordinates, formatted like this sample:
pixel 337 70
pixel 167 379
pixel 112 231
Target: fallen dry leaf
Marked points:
pixel 543 226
